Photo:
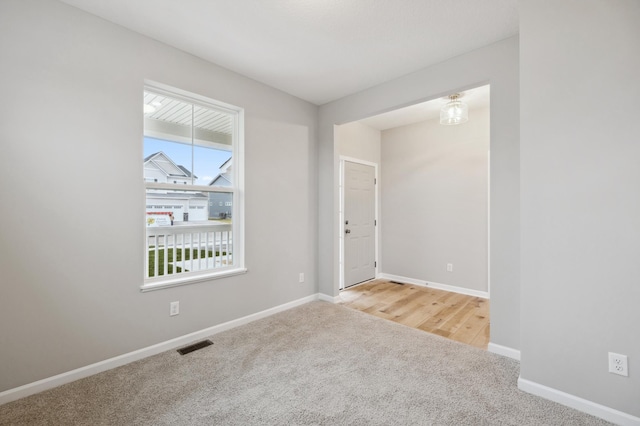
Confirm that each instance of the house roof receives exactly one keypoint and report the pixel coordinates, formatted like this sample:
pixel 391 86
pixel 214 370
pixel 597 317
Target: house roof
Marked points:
pixel 186 171
pixel 223 179
pixel 149 157
pixel 165 164
pixel 225 163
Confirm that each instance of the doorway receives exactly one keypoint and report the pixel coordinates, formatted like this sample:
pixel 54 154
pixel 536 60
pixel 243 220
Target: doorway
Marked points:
pixel 358 218
pixel 435 214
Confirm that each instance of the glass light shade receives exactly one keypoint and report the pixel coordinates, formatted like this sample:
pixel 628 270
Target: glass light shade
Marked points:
pixel 454 112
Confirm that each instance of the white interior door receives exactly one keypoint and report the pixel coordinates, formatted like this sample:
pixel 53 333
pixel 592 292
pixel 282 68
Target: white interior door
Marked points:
pixel 359 223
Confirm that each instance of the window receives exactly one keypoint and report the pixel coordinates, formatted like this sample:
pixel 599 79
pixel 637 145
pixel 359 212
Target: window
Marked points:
pixel 196 143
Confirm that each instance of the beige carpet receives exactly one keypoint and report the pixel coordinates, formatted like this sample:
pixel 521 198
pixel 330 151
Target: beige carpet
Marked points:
pixel 318 364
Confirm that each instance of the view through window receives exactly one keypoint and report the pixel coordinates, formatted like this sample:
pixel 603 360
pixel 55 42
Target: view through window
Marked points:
pixel 191 174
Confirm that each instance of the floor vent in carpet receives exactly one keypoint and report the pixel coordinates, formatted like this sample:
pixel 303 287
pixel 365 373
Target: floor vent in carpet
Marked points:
pixel 396 282
pixel 195 347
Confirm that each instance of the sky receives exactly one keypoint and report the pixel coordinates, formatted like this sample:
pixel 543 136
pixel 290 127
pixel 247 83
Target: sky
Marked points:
pixel 206 161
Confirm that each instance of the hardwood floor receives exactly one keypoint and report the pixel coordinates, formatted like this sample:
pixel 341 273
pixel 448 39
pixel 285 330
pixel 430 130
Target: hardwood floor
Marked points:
pixel 452 315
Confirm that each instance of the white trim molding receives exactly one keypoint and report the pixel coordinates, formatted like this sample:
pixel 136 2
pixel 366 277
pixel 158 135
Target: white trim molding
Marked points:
pixel 577 403
pixel 431 284
pixel 108 364
pixel 504 351
pixel 327 298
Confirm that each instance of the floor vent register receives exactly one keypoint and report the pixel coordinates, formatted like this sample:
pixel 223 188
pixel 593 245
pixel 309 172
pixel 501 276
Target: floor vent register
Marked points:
pixel 195 347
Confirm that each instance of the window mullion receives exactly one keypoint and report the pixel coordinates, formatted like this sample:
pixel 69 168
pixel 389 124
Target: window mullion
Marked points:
pixel 193 146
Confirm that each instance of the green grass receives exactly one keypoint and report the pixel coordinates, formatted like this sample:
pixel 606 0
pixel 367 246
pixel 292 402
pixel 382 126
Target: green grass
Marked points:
pixel 227 221
pixel 197 254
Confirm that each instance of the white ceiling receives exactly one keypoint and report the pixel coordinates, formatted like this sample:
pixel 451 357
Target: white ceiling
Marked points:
pixel 474 98
pixel 317 50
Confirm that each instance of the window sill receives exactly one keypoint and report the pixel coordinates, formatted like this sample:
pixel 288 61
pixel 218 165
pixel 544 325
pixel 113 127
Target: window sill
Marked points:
pixel 176 282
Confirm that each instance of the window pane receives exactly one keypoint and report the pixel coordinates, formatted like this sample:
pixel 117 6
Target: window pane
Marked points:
pixel 187 231
pixel 213 142
pixel 167 140
pixel 186 143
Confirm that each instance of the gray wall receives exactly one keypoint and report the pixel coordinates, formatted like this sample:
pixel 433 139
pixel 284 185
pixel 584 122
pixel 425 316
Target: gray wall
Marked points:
pixel 496 64
pixel 72 247
pixel 359 141
pixel 434 201
pixel 580 180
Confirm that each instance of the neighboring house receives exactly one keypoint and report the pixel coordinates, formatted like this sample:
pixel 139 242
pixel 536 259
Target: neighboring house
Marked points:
pixel 159 167
pixel 221 203
pixel 178 203
pixel 191 206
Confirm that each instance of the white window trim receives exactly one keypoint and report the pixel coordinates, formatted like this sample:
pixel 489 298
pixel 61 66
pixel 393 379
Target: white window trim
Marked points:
pixel 237 153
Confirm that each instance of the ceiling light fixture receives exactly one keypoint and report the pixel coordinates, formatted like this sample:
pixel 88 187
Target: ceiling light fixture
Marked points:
pixel 455 111
pixel 148 109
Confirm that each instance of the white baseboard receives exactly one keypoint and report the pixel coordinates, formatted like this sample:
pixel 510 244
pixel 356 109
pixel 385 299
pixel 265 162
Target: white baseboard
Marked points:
pixel 504 351
pixel 400 279
pixel 327 298
pixel 108 364
pixel 431 284
pixel 580 404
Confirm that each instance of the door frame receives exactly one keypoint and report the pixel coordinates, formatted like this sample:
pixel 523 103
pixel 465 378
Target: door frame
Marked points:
pixel 343 159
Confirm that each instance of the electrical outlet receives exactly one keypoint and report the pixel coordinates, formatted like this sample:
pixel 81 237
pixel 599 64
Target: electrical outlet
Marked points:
pixel 618 364
pixel 174 308
pixel 449 267
pixel 301 278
